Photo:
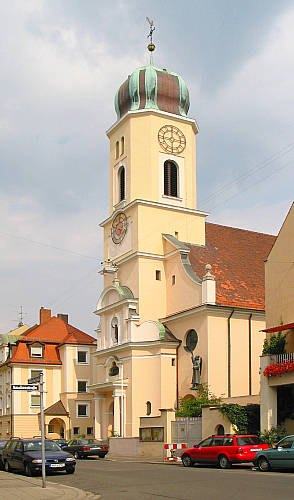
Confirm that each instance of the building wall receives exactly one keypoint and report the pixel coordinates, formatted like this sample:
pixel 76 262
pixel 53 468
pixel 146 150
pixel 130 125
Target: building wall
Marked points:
pixel 212 328
pixel 279 276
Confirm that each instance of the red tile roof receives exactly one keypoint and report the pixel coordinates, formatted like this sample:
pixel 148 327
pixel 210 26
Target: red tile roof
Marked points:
pixel 56 409
pixel 52 334
pixel 57 331
pixel 22 355
pixel 237 258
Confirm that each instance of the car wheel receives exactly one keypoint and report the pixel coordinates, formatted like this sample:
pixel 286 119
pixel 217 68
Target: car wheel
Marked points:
pixel 224 462
pixel 28 470
pixel 186 459
pixel 263 464
pixel 70 470
pixel 7 466
pixel 76 455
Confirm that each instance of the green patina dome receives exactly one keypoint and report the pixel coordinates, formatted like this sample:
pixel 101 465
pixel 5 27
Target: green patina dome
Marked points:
pixel 153 88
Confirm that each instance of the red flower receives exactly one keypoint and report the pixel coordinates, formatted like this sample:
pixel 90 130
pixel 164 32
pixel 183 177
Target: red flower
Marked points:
pixel 278 369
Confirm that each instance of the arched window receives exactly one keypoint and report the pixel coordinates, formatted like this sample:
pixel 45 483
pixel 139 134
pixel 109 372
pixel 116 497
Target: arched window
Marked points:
pixel 148 408
pixel 170 178
pixel 114 330
pixel 122 183
pixel 116 150
pixel 220 431
pixel 122 145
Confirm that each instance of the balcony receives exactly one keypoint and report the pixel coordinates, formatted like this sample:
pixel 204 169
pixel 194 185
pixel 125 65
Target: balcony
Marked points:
pixel 278 368
pixel 282 358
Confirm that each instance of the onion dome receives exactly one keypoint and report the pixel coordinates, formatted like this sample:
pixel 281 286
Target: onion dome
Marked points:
pixel 152 88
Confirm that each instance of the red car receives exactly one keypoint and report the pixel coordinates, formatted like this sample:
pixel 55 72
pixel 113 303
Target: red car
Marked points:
pixel 224 450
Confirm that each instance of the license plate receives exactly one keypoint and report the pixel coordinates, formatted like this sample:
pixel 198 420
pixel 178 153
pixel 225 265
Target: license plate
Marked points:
pixel 96 448
pixel 256 449
pixel 57 465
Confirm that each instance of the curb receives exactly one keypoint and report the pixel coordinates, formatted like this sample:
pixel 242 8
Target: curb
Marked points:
pixel 68 492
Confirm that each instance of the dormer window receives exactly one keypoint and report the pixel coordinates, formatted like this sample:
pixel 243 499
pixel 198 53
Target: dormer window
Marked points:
pixel 36 352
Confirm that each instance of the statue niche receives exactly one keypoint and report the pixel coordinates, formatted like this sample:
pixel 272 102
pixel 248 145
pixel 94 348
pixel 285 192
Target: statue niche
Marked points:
pixel 191 343
pixel 114 369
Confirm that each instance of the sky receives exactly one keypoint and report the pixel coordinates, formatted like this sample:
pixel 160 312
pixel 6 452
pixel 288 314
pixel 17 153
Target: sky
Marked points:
pixel 61 64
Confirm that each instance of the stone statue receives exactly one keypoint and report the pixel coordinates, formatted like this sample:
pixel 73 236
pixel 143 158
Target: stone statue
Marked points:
pixel 191 342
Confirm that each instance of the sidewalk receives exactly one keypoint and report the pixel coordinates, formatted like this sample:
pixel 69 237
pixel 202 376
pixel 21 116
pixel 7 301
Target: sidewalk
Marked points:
pixel 142 460
pixel 18 487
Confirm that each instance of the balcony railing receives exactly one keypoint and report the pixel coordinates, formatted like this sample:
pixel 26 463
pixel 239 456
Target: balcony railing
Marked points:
pixel 282 358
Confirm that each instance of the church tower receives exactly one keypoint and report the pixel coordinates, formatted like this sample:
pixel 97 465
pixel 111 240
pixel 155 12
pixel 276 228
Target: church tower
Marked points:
pixel 152 211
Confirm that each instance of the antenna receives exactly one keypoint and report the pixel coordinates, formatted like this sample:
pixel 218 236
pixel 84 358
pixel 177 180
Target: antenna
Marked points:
pixel 20 323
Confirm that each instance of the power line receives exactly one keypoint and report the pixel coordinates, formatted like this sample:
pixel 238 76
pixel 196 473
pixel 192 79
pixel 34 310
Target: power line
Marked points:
pixel 48 245
pixel 257 168
pixel 251 185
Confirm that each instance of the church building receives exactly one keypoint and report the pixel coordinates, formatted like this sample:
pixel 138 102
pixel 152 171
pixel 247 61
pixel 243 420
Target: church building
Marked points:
pixel 183 299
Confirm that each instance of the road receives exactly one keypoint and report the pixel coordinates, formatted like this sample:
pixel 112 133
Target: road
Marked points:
pixel 117 480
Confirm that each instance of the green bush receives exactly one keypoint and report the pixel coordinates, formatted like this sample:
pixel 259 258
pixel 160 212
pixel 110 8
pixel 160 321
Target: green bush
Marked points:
pixel 192 407
pixel 274 345
pixel 273 435
pixel 245 419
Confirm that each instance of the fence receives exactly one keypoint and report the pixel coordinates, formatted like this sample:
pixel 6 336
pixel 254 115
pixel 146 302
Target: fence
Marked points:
pixel 186 430
pixel 283 358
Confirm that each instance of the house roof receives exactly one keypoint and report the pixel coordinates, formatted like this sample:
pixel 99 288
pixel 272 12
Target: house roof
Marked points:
pixel 52 334
pixel 21 354
pixel 237 258
pixel 56 409
pixel 55 330
pixel 279 328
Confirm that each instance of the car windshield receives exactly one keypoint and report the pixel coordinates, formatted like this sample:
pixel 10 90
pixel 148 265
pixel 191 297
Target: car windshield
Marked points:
pixel 89 441
pixel 248 440
pixel 2 444
pixel 37 445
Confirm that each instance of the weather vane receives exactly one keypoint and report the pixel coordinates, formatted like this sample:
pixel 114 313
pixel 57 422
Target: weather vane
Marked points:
pixel 151 45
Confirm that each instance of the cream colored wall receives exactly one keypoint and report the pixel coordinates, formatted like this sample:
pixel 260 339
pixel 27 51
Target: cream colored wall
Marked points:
pixel 212 329
pixel 185 293
pixel 142 152
pixel 217 330
pixel 279 276
pixel 211 418
pixel 139 364
pixel 180 329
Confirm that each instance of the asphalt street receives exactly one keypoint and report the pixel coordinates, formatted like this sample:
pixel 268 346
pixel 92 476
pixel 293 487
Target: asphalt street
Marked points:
pixel 117 480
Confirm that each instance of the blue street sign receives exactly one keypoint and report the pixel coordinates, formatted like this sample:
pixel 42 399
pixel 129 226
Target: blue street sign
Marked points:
pixel 24 387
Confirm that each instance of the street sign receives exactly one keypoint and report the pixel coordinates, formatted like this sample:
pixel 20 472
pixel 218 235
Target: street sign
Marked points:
pixel 34 380
pixel 24 387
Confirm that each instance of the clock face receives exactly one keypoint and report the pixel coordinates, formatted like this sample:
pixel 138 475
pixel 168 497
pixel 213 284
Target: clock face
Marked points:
pixel 171 139
pixel 119 227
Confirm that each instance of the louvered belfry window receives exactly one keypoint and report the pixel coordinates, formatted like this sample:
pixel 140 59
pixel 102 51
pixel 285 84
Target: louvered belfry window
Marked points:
pixel 170 179
pixel 122 184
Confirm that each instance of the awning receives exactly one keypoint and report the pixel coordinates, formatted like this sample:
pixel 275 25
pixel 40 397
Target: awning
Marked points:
pixel 279 328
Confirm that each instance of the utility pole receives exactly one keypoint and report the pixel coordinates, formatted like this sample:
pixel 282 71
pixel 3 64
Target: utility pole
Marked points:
pixel 42 429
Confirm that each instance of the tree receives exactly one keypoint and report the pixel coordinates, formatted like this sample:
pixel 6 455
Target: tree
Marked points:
pixel 192 407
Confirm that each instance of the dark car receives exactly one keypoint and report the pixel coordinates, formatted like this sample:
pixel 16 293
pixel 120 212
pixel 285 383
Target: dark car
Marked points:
pixel 224 450
pixel 280 456
pixel 82 448
pixel 2 444
pixel 61 442
pixel 26 455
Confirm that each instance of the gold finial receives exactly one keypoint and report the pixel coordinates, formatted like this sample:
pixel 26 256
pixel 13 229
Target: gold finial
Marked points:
pixel 151 45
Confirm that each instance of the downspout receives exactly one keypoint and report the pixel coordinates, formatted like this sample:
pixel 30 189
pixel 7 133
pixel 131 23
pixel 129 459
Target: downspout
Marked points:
pixel 250 355
pixel 177 375
pixel 229 353
pixel 11 404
